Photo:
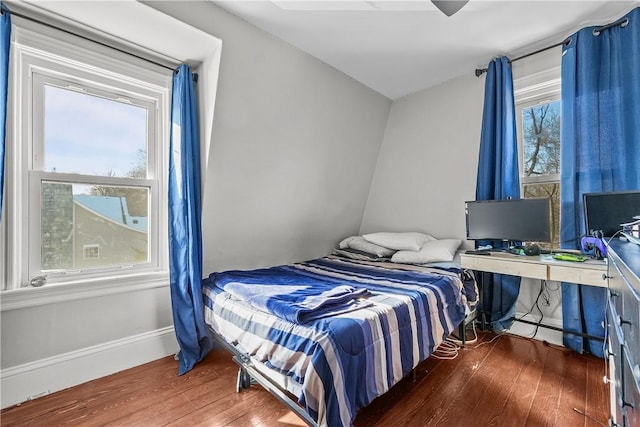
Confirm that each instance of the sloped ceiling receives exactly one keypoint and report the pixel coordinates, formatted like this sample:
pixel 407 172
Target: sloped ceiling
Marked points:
pixel 398 47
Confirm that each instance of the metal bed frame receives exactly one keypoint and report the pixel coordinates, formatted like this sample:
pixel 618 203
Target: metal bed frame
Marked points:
pixel 248 374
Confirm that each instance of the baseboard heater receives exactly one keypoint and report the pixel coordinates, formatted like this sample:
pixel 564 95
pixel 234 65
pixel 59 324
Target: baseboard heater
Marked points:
pixel 484 323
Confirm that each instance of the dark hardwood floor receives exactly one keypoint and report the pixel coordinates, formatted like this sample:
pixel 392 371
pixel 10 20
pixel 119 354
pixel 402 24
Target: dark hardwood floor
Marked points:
pixel 509 381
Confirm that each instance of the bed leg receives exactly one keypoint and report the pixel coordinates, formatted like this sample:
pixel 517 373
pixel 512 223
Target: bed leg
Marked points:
pixel 244 380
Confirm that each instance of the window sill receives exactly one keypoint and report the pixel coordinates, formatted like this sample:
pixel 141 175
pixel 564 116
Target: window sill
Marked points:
pixel 57 293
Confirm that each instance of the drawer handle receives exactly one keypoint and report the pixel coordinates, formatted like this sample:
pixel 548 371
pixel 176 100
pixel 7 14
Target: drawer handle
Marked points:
pixel 605 277
pixel 606 380
pixel 622 403
pixel 622 322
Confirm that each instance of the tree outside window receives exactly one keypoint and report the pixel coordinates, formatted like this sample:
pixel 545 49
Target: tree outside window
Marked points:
pixel 540 130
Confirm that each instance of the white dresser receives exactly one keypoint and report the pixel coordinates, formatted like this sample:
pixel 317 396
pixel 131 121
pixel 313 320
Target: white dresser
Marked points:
pixel 623 327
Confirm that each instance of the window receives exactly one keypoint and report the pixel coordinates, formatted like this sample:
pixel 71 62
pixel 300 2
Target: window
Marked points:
pixel 110 138
pixel 538 112
pixel 86 180
pixel 91 251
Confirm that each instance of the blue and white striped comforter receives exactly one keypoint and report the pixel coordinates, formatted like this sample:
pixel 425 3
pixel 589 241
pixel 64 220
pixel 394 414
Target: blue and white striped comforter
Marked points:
pixel 344 362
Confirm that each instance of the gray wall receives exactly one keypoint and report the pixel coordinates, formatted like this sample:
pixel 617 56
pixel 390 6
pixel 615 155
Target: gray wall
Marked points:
pixel 428 161
pixel 293 150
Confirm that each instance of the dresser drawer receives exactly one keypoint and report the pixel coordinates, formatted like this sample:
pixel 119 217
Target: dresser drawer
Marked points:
pixel 630 324
pixel 627 304
pixel 623 319
pixel 505 264
pixel 630 391
pixel 577 273
pixel 615 355
pixel 617 285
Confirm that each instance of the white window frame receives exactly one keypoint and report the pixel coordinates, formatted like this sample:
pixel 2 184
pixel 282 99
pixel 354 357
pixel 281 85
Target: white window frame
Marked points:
pixel 39 52
pixel 80 81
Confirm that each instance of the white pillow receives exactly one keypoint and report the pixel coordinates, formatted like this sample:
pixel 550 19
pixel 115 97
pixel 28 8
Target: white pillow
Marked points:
pixel 407 241
pixel 360 244
pixel 432 251
pixel 344 244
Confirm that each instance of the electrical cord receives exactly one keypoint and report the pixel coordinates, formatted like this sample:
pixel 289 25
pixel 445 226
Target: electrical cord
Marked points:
pixel 475 334
pixel 614 235
pixel 535 331
pixel 448 350
pixel 590 417
pixel 552 289
pixel 535 305
pixel 498 335
pixel 471 341
pixel 544 293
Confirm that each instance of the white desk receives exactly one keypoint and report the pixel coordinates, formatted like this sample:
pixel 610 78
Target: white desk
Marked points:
pixel 544 267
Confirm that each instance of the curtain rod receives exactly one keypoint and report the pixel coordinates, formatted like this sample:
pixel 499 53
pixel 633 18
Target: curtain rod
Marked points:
pixel 596 32
pixel 64 30
pixel 480 71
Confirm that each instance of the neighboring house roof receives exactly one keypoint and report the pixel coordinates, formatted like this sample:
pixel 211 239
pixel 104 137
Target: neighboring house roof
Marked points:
pixel 113 208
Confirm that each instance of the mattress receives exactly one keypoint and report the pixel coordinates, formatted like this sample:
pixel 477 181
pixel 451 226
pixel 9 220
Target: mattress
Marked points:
pixel 337 364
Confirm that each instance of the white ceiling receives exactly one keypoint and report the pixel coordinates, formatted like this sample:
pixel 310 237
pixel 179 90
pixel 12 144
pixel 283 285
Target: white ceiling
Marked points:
pixel 397 47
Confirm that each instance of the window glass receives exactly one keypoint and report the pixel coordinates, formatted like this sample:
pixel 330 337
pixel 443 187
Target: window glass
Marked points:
pixel 541 139
pixel 552 191
pixel 92 226
pixel 540 150
pixel 92 135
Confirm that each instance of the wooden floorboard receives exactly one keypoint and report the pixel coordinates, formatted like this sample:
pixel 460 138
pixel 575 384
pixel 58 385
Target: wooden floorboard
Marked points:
pixel 493 377
pixel 519 403
pixel 498 380
pixel 492 405
pixel 435 393
pixel 545 406
pixel 597 401
pixel 574 392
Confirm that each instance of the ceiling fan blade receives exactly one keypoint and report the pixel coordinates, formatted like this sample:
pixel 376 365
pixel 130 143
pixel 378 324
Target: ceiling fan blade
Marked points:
pixel 449 7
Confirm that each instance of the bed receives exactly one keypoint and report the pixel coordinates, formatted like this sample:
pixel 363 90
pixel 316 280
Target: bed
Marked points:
pixel 327 361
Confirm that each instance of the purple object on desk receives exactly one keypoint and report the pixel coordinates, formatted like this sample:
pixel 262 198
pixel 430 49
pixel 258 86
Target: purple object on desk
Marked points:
pixel 594 244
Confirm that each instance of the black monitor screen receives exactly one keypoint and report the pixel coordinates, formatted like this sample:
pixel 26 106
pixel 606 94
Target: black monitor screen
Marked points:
pixel 516 220
pixel 606 211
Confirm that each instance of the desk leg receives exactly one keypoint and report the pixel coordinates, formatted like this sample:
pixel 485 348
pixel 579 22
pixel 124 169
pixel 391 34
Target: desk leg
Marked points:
pixel 483 279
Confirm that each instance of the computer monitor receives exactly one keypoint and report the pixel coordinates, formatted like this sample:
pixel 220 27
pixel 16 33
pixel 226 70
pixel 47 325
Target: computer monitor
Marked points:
pixel 524 220
pixel 606 211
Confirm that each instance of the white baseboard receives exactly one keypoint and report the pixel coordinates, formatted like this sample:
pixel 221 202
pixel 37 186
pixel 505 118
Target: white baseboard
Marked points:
pixel 543 334
pixel 30 380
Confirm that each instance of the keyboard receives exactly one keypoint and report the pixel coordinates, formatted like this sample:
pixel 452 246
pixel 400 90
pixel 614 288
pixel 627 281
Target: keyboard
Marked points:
pixel 478 252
